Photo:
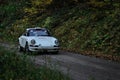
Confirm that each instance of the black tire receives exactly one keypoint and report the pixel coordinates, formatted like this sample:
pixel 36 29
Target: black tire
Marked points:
pixel 27 48
pixel 20 49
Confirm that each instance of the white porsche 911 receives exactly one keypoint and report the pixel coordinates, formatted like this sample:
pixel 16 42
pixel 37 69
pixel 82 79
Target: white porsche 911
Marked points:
pixel 38 39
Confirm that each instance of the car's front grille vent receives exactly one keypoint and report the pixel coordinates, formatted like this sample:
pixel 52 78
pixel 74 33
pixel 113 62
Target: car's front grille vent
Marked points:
pixel 56 46
pixel 34 45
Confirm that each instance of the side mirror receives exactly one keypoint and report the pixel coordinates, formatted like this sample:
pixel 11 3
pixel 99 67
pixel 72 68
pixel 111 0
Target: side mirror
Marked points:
pixel 49 33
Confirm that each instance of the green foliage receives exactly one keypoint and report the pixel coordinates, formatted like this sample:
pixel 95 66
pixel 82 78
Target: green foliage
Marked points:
pixel 20 67
pixel 90 26
pixel 10 11
pixel 89 30
pixel 36 7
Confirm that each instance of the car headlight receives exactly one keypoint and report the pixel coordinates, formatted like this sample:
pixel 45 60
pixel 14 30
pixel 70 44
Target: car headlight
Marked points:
pixel 57 42
pixel 33 41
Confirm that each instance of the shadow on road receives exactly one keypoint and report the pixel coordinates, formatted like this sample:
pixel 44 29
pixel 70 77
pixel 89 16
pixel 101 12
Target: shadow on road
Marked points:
pixel 41 53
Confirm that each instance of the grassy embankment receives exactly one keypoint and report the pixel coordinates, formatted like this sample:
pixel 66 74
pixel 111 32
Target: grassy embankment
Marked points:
pixel 20 67
pixel 80 28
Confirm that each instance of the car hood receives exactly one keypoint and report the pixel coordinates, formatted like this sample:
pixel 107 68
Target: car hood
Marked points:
pixel 43 40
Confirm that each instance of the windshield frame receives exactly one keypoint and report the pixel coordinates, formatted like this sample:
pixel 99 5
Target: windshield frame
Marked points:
pixel 38 32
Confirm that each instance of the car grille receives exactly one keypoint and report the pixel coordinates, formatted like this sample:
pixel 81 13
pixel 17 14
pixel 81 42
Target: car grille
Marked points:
pixel 34 45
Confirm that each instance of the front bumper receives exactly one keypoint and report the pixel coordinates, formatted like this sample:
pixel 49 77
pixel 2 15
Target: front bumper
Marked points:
pixel 44 48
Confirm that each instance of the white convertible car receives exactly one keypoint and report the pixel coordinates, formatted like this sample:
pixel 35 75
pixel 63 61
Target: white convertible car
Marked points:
pixel 38 39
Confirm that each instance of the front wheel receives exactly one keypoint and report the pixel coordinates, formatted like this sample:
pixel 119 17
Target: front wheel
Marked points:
pixel 27 48
pixel 20 49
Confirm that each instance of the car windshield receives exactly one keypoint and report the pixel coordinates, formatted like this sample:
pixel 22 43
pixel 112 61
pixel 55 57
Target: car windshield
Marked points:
pixel 38 32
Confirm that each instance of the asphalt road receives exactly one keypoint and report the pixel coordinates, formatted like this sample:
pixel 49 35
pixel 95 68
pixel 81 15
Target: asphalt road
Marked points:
pixel 78 67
